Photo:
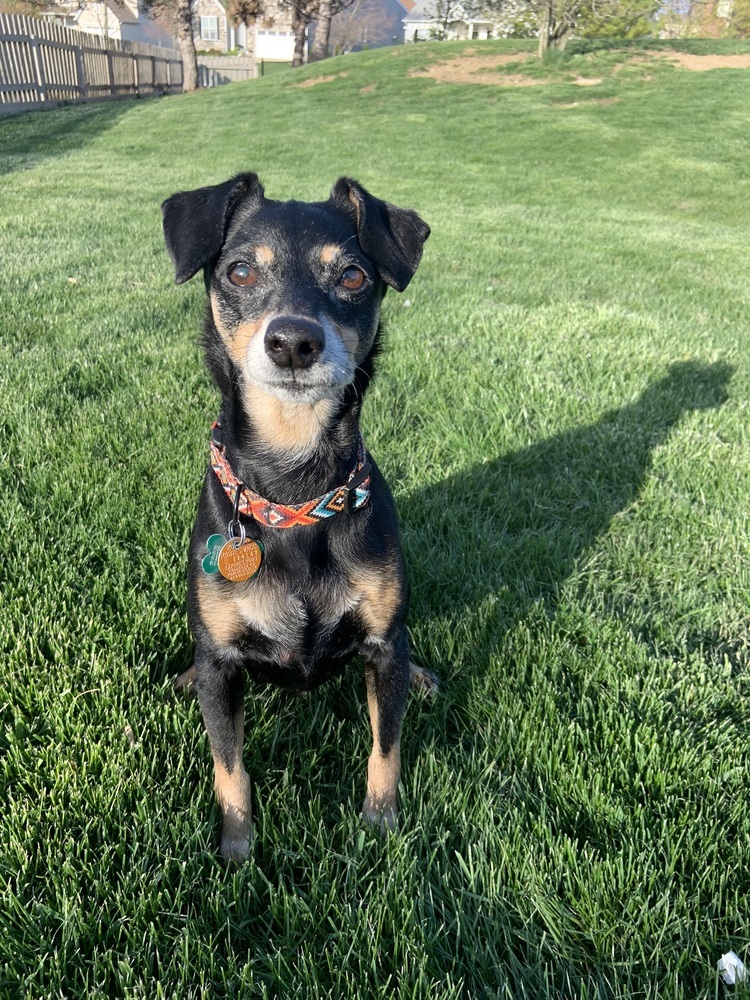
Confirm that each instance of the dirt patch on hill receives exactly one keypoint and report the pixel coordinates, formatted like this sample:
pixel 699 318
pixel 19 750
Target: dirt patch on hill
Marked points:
pixel 471 67
pixel 315 80
pixel 605 102
pixel 701 63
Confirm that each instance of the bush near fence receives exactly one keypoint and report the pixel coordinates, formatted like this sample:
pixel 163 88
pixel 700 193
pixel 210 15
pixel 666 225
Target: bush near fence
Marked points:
pixel 42 63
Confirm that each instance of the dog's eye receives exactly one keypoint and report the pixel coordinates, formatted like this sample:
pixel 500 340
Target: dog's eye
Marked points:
pixel 353 278
pixel 242 275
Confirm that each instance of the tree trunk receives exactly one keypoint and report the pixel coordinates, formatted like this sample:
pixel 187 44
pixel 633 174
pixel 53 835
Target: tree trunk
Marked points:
pixel 250 38
pixel 187 45
pixel 545 23
pixel 322 31
pixel 561 39
pixel 565 28
pixel 298 27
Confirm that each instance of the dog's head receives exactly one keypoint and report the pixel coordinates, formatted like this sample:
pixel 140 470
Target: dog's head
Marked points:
pixel 295 287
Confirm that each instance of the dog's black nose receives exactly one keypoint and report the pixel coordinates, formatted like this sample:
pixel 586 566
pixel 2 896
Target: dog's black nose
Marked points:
pixel 293 343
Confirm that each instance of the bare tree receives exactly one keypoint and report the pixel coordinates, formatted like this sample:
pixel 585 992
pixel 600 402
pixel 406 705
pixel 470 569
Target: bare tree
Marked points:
pixel 180 13
pixel 557 22
pixel 183 17
pixel 246 12
pixel 355 25
pixel 305 11
pixel 443 11
pixel 302 11
pixel 322 30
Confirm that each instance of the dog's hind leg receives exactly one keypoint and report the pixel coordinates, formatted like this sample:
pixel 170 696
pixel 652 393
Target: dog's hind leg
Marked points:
pixel 185 683
pixel 220 691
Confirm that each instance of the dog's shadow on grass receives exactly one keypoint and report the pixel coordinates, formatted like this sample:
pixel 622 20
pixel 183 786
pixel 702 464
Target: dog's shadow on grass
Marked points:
pixel 514 527
pixel 510 531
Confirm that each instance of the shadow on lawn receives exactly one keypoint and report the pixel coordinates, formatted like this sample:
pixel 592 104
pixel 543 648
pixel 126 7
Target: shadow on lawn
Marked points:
pixel 515 526
pixel 28 139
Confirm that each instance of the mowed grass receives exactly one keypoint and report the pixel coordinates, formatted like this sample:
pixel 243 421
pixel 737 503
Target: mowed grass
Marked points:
pixel 562 411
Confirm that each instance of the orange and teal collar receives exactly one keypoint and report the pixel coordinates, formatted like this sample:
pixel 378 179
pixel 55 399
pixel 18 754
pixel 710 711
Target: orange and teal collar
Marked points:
pixel 345 499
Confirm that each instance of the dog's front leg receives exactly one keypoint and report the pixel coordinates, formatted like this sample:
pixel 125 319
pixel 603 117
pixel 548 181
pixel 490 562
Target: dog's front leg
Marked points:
pixel 387 679
pixel 220 691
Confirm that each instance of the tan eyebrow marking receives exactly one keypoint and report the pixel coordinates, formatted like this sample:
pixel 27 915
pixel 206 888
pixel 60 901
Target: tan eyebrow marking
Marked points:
pixel 329 253
pixel 264 254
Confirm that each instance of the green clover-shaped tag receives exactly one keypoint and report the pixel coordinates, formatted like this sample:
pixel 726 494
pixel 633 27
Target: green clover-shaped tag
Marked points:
pixel 214 545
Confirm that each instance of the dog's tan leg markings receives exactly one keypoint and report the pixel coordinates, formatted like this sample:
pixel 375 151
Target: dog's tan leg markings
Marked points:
pixel 219 615
pixel 422 679
pixel 383 769
pixel 380 594
pixel 232 786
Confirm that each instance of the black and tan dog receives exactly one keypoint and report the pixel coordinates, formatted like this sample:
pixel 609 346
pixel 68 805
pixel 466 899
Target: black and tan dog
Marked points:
pixel 295 561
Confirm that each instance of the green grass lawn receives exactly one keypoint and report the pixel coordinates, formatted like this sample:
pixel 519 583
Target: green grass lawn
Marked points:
pixel 563 411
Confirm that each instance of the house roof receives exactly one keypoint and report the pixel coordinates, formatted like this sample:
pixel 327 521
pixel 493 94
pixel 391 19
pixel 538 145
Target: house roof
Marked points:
pixel 122 12
pixel 420 10
pixel 202 5
pixel 408 5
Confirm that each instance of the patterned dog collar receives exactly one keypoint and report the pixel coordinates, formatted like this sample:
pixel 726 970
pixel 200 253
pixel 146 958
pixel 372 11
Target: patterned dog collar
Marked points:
pixel 344 499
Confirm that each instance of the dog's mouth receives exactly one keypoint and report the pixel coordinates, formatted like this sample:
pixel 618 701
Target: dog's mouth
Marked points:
pixel 300 361
pixel 307 387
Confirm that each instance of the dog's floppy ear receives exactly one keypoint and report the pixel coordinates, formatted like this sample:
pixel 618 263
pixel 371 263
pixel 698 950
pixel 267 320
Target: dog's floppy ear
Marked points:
pixel 195 222
pixel 391 237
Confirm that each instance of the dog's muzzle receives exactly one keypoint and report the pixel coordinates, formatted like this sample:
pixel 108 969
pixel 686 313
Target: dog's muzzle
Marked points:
pixel 293 343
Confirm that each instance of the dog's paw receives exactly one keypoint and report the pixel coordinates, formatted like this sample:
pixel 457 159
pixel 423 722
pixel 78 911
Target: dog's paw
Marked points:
pixel 422 679
pixel 235 847
pixel 382 815
pixel 237 824
pixel 185 683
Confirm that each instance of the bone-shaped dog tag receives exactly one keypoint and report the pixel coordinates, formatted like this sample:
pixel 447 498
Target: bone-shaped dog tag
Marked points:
pixel 214 545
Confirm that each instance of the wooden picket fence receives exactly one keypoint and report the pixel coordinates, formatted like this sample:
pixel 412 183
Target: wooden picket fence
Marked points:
pixel 213 71
pixel 42 63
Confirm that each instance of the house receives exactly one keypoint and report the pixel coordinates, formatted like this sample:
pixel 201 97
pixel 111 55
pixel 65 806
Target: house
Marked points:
pixel 270 39
pixel 120 19
pixel 366 24
pixel 430 19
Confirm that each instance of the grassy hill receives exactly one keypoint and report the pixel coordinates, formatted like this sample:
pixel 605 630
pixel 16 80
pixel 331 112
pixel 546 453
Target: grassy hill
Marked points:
pixel 562 411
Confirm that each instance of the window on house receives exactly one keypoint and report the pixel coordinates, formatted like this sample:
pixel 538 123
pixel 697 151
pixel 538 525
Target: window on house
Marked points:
pixel 210 29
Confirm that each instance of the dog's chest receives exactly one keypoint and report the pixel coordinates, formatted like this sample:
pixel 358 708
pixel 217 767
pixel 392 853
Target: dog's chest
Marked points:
pixel 285 615
pixel 293 624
